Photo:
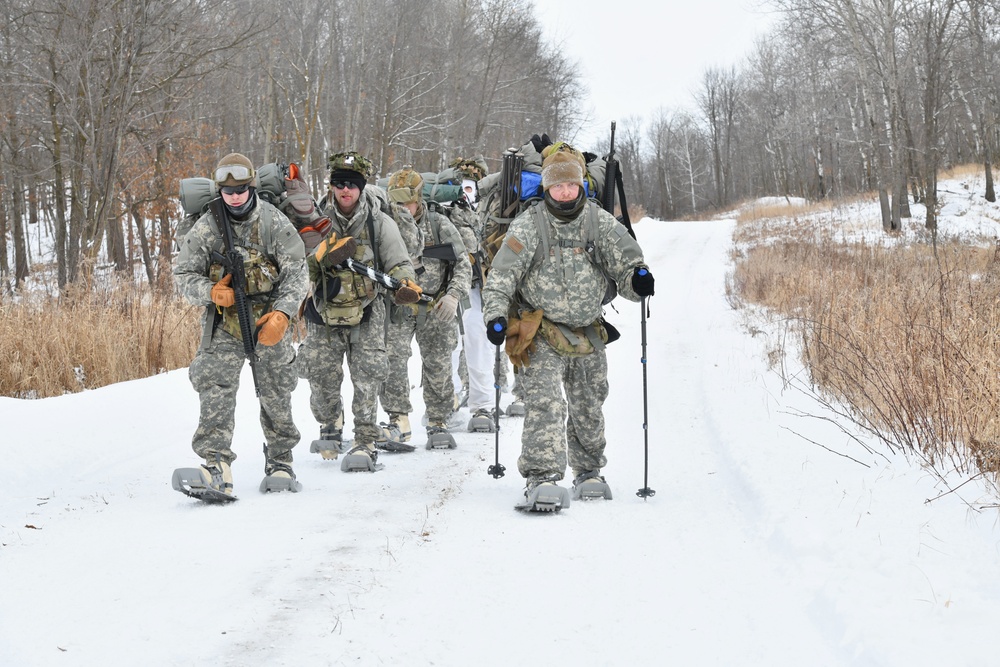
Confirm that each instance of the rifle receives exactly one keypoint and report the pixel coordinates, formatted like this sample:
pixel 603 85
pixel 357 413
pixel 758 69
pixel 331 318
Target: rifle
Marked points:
pixel 613 179
pixel 375 275
pixel 232 262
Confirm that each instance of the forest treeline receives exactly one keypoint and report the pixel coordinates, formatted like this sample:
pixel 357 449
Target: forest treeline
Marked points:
pixel 107 104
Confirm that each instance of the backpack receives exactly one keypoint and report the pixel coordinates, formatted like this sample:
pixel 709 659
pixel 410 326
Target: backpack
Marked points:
pixel 528 188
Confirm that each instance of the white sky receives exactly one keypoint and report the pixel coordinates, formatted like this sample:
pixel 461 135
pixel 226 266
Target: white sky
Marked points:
pixel 659 54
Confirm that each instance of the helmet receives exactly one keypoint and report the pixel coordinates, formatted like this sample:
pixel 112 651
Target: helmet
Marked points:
pixel 234 169
pixel 471 168
pixel 351 161
pixel 405 186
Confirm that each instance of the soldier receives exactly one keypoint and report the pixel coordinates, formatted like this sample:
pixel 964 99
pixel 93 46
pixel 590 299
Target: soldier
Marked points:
pixel 550 277
pixel 442 267
pixel 345 314
pixel 478 377
pixel 276 281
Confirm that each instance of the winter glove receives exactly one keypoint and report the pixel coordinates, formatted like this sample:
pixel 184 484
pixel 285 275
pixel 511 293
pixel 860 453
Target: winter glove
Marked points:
pixel 314 234
pixel 540 142
pixel 446 307
pixel 272 327
pixel 642 281
pixel 332 251
pixel 521 337
pixel 223 295
pixel 496 330
pixel 298 201
pixel 408 292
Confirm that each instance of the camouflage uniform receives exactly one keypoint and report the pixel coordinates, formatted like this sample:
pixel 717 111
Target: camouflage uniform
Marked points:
pixel 436 338
pixel 215 371
pixel 568 287
pixel 329 339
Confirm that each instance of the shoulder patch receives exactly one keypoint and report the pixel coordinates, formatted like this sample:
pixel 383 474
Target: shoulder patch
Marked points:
pixel 514 244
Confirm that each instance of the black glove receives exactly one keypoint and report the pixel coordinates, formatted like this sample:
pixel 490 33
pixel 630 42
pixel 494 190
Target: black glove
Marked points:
pixel 540 142
pixel 496 330
pixel 642 281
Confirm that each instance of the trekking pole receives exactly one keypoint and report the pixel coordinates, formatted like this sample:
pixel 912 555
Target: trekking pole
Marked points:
pixel 645 491
pixel 497 468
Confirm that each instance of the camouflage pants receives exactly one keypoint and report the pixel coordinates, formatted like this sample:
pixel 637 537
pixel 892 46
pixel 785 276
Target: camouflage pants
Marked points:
pixel 215 375
pixel 548 430
pixel 321 361
pixel 436 340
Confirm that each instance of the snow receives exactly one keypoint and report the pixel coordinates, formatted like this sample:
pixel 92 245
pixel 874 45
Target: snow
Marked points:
pixel 775 536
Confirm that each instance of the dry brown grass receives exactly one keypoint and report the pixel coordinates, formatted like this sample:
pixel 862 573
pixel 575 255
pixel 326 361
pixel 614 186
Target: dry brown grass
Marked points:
pixel 91 338
pixel 961 171
pixel 907 336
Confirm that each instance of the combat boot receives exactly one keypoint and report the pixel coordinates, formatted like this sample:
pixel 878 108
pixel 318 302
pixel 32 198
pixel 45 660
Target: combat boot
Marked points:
pixel 395 436
pixel 330 444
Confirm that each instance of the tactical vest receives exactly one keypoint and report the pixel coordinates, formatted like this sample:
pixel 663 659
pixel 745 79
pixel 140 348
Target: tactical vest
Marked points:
pixel 341 296
pixel 259 266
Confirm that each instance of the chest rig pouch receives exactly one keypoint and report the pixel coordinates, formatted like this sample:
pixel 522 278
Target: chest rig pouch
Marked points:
pixel 261 271
pixel 342 296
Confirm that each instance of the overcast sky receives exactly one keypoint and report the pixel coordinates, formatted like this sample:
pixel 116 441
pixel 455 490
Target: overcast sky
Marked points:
pixel 637 56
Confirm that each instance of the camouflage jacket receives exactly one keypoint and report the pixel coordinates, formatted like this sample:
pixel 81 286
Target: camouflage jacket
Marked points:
pixel 436 229
pixel 568 286
pixel 194 268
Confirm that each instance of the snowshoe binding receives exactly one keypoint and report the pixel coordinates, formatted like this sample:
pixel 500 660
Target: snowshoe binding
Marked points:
pixel 279 477
pixel 542 494
pixel 590 485
pixel 330 443
pixel 361 459
pixel 483 421
pixel 439 438
pixel 516 409
pixel 395 435
pixel 211 483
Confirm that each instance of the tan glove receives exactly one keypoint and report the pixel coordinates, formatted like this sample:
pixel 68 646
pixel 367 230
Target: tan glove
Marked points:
pixel 333 251
pixel 446 307
pixel 409 292
pixel 521 332
pixel 272 327
pixel 313 234
pixel 298 198
pixel 222 294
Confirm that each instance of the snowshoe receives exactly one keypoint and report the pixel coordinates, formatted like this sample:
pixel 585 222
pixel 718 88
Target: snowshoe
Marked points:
pixel 360 459
pixel 543 496
pixel 591 485
pixel 211 483
pixel 330 443
pixel 395 435
pixel 483 421
pixel 279 477
pixel 439 438
pixel 516 409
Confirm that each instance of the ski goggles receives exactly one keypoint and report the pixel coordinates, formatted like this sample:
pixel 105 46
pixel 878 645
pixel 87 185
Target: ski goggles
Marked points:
pixel 234 189
pixel 237 172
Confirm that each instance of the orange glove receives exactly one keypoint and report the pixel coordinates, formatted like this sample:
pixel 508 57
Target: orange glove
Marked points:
pixel 272 327
pixel 408 292
pixel 333 251
pixel 222 294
